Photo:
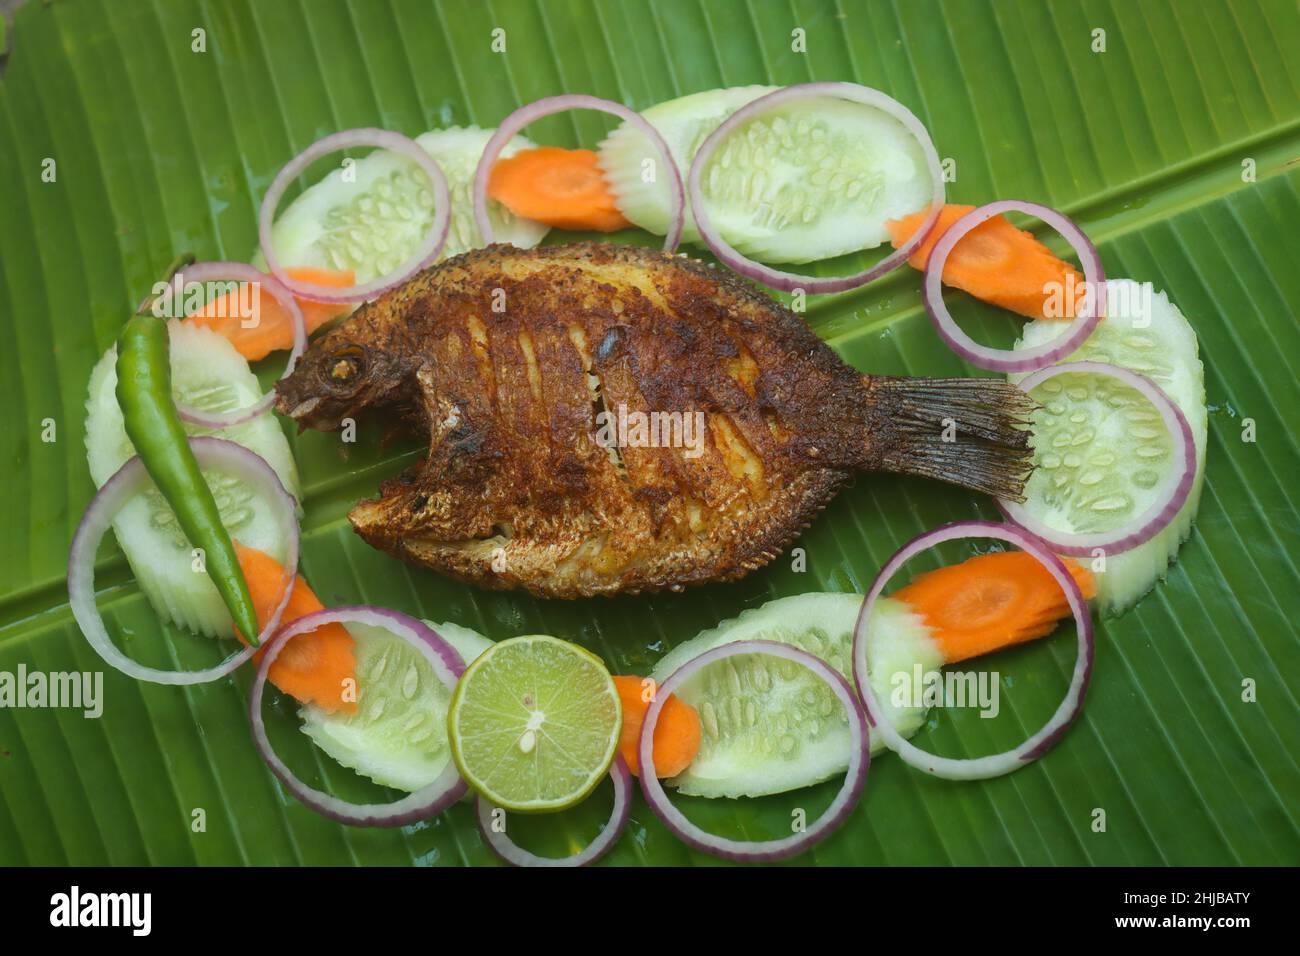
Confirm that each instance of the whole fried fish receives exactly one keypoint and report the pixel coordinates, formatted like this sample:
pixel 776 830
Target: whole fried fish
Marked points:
pixel 606 419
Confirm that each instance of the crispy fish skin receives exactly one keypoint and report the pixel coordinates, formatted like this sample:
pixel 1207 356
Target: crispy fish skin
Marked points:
pixel 506 358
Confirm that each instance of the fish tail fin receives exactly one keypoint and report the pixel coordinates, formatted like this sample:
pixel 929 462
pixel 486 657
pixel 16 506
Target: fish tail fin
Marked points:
pixel 970 432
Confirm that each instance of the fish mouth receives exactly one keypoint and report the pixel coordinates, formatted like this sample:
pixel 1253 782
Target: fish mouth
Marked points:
pixel 299 411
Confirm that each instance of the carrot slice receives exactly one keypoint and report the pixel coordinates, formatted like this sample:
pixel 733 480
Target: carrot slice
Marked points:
pixel 998 263
pixel 991 601
pixel 273 329
pixel 315 667
pixel 677 734
pixel 563 188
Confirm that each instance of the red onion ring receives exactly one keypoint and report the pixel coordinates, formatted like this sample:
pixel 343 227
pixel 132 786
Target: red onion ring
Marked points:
pixel 1156 517
pixel 1006 360
pixel 788 281
pixel 512 853
pixel 549 105
pixel 239 272
pixel 125 483
pixel 995 765
pixel 760 851
pixel 424 256
pixel 447 667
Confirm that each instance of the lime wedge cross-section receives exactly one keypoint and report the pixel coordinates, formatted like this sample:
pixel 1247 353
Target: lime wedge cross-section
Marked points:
pixel 534 723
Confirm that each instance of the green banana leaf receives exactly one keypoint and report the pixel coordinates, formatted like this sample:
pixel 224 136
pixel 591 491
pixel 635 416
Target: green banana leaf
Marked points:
pixel 1176 147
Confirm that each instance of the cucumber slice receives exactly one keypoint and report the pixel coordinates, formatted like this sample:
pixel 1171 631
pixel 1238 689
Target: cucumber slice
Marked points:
pixel 770 726
pixel 373 223
pixel 800 183
pixel 398 734
pixel 1101 448
pixel 208 374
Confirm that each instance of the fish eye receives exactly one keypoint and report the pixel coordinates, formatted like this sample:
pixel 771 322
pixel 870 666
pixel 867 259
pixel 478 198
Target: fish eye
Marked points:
pixel 344 368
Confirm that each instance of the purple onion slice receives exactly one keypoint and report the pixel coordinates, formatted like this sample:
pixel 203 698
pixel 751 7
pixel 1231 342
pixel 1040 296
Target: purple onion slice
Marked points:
pixel 424 256
pixel 995 765
pixel 126 483
pixel 757 851
pixel 447 667
pixel 1025 360
pixel 548 105
pixel 1173 492
pixel 511 852
pixel 239 272
pixel 787 281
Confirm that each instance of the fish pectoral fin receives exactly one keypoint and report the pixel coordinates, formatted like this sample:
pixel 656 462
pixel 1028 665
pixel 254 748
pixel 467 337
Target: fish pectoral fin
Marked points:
pixel 408 511
pixel 443 414
pixel 403 508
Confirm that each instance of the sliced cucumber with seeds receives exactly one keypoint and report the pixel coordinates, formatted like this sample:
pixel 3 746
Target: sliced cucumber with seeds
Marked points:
pixel 398 734
pixel 1102 451
pixel 209 374
pixel 374 221
pixel 769 725
pixel 802 182
pixel 630 163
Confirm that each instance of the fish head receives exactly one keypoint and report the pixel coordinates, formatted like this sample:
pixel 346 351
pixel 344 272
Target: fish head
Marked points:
pixel 339 376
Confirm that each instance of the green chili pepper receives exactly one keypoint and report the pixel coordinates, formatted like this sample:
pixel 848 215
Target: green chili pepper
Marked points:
pixel 144 392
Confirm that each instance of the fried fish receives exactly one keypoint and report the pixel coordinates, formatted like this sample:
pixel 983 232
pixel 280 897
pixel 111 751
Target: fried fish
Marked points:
pixel 607 419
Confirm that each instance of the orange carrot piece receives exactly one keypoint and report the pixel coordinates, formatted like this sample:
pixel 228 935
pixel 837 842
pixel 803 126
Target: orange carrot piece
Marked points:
pixel 274 328
pixel 315 667
pixel 991 601
pixel 677 734
pixel 563 188
pixel 998 263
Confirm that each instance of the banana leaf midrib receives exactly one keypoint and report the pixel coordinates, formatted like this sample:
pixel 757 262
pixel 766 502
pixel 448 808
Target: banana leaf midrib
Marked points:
pixel 1222 170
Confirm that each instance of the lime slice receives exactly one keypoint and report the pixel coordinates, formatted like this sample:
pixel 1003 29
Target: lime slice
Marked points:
pixel 534 723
